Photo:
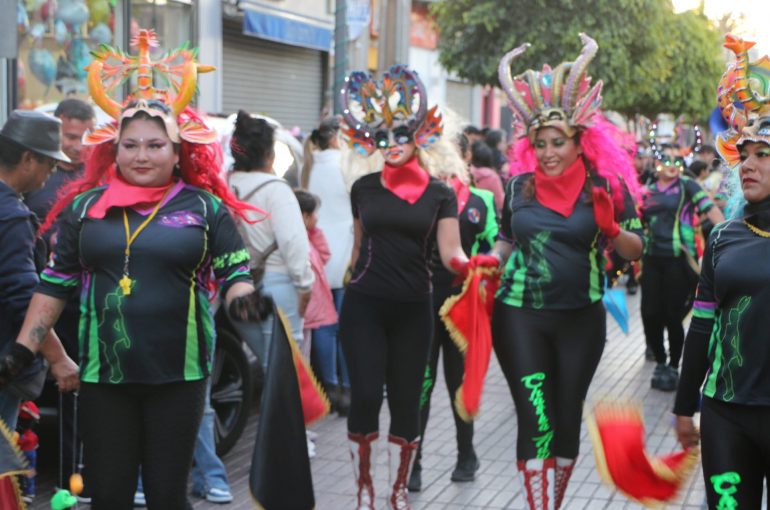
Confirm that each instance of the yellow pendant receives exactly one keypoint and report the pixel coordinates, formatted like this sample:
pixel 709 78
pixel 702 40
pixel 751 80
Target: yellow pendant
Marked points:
pixel 125 285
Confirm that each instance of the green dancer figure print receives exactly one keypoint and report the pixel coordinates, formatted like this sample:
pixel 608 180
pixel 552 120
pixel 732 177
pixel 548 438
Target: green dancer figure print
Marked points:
pixel 120 341
pixel 534 383
pixel 734 336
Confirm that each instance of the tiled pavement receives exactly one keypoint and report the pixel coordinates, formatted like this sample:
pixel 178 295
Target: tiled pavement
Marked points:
pixel 622 372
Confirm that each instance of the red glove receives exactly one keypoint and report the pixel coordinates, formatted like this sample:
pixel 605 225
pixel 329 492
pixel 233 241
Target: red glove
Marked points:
pixel 604 213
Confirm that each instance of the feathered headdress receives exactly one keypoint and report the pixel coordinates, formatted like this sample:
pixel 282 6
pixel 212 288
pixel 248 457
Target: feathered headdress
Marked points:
pixel 559 97
pixel 395 111
pixel 111 67
pixel 743 96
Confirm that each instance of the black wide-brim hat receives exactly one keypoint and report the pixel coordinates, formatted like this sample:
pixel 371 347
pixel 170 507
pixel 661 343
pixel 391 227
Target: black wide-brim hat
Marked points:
pixel 35 131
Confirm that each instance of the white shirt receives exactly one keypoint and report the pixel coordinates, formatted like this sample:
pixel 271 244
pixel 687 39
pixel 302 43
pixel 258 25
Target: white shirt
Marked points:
pixel 335 217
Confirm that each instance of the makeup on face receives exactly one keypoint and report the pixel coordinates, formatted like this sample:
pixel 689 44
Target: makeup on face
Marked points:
pixel 755 170
pixel 555 151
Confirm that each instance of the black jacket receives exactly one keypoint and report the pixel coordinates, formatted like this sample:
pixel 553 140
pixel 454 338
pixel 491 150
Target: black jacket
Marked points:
pixel 18 271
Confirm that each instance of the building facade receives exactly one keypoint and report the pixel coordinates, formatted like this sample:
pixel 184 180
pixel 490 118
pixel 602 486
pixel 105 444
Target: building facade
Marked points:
pixel 272 56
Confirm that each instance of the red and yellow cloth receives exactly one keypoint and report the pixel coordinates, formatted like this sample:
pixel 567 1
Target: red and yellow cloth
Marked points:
pixel 617 433
pixel 467 316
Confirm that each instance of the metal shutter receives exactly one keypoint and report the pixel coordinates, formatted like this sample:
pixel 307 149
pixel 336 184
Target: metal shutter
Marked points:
pixel 281 81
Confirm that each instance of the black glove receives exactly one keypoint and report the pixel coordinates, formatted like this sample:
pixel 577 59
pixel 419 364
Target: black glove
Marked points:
pixel 254 307
pixel 14 362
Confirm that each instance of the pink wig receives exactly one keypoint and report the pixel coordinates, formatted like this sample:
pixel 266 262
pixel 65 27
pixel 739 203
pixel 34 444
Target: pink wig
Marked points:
pixel 601 144
pixel 199 164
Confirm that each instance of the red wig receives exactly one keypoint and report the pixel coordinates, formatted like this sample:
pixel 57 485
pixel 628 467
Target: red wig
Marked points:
pixel 603 153
pixel 200 166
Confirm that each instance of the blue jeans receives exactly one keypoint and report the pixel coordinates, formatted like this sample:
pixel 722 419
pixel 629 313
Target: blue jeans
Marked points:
pixel 208 471
pixel 327 352
pixel 9 408
pixel 284 294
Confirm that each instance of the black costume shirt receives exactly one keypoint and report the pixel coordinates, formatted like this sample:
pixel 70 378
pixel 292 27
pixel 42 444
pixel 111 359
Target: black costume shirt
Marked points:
pixel 398 238
pixel 557 263
pixel 669 214
pixel 732 302
pixel 163 331
pixel 41 201
pixel 478 229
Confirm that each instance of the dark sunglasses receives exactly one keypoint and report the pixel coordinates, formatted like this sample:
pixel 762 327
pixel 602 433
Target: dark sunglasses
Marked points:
pixel 678 161
pixel 401 135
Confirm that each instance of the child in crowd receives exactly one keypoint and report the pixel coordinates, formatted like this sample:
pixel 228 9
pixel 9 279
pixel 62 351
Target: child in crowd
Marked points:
pixel 320 310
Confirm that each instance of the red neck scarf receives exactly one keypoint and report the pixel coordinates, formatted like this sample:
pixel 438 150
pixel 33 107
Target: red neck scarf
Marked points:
pixel 119 193
pixel 463 192
pixel 408 181
pixel 560 193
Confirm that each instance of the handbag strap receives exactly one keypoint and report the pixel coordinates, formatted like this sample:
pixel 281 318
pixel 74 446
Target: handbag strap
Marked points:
pixel 252 192
pixel 274 246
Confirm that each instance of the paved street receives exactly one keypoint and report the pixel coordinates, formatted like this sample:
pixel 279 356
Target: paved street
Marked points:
pixel 622 372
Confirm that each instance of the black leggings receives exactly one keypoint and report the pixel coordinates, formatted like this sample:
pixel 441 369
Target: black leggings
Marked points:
pixel 385 342
pixel 668 286
pixel 454 369
pixel 128 425
pixel 735 451
pixel 549 358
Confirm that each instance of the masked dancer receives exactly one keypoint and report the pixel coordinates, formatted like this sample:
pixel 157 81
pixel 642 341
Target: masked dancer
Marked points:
pixel 400 212
pixel 669 268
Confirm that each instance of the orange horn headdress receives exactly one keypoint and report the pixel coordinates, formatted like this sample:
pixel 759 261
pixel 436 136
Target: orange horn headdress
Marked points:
pixel 743 96
pixel 178 68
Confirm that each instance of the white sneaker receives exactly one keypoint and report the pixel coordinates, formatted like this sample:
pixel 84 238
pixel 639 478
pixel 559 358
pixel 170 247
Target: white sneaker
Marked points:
pixel 139 499
pixel 310 449
pixel 220 496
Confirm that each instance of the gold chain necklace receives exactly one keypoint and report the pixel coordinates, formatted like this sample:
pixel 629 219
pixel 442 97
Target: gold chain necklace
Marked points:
pixel 126 282
pixel 757 230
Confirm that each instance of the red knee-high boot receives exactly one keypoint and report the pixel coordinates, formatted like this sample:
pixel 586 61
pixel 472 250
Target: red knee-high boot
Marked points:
pixel 362 455
pixel 564 469
pixel 400 452
pixel 538 479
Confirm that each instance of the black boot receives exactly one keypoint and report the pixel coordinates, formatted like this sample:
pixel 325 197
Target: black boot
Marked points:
pixel 415 478
pixel 343 400
pixel 465 470
pixel 334 397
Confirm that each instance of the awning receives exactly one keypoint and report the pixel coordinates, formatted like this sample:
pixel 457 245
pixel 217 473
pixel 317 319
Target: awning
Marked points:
pixel 286 30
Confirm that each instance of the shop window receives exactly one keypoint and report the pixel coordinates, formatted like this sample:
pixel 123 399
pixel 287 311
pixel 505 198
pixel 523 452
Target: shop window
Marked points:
pixel 55 41
pixel 171 19
pixel 56 38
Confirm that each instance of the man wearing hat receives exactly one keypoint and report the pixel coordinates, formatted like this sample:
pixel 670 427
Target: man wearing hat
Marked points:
pixel 29 150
